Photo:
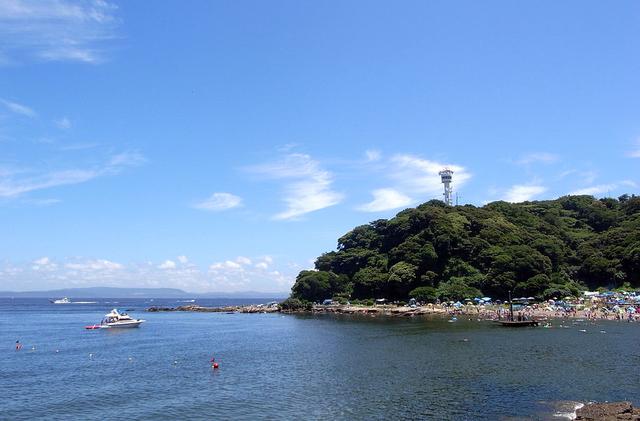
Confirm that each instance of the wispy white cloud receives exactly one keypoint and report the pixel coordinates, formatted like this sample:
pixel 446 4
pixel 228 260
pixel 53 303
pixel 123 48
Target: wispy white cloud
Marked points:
pixel 386 199
pixel 63 123
pixel 16 108
pixel 538 157
pixel 78 146
pixel 55 30
pixel 523 193
pixel 589 176
pixel 10 187
pixel 308 188
pixel 42 202
pixel 414 178
pixel 219 202
pixel 373 155
pixel 126 159
pixel 594 190
pixel 635 150
pixel 586 177
pixel 419 175
pixel 18 182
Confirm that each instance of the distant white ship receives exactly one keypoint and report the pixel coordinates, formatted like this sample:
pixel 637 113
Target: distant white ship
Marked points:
pixel 64 300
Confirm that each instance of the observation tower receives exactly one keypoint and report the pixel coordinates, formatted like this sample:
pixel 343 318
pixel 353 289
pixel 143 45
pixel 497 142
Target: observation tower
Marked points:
pixel 446 176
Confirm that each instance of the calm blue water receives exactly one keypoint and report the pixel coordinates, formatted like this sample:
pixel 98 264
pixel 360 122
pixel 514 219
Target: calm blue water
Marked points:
pixel 274 366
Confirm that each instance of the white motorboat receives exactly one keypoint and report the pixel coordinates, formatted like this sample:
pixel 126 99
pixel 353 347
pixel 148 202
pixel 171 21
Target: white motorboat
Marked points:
pixel 64 300
pixel 118 320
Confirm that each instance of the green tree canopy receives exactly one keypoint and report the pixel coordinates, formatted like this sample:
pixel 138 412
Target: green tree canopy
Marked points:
pixel 541 248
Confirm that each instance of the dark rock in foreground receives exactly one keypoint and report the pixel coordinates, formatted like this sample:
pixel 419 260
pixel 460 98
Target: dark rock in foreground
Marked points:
pixel 608 412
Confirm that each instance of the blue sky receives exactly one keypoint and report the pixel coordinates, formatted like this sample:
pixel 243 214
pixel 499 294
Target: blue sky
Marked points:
pixel 222 146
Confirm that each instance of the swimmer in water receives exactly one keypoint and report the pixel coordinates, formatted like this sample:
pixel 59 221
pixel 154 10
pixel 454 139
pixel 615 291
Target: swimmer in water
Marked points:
pixel 18 346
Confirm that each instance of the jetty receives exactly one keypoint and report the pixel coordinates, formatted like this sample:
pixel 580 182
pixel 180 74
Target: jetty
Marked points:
pixel 259 308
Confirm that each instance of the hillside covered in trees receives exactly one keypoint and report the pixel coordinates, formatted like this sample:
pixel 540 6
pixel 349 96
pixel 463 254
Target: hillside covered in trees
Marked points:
pixel 543 249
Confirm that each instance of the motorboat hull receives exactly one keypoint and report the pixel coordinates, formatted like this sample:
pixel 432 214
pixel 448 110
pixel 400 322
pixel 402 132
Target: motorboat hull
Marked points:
pixel 125 325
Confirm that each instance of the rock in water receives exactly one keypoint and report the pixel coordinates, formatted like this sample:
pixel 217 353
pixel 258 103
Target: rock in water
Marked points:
pixel 608 412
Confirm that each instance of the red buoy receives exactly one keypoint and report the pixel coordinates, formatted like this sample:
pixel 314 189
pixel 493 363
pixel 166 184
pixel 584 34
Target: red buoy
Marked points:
pixel 215 365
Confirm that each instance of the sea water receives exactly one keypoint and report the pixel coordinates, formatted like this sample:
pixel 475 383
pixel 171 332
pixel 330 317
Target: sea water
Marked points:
pixel 276 366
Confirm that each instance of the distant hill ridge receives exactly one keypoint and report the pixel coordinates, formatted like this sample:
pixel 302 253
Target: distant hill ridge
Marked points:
pixel 544 249
pixel 114 292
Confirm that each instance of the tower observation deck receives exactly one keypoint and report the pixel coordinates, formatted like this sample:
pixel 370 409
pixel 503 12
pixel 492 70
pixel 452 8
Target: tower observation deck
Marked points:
pixel 446 176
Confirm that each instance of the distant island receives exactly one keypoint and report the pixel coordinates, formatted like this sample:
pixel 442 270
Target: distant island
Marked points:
pixel 112 292
pixel 541 249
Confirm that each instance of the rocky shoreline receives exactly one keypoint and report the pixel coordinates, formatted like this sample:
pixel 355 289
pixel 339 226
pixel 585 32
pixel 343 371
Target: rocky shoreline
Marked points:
pixel 383 310
pixel 387 310
pixel 226 309
pixel 336 309
pixel 608 412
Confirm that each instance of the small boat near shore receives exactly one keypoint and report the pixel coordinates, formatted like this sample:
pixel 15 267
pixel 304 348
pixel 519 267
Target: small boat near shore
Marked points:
pixel 118 320
pixel 519 322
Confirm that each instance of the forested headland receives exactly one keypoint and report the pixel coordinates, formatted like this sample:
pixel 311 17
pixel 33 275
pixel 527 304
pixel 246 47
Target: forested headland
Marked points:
pixel 543 249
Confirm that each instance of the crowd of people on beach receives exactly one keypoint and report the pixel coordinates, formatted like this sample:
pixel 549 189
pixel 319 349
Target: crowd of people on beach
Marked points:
pixel 540 311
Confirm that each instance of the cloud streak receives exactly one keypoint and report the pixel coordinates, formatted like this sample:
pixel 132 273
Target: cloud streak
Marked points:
pixel 16 108
pixel 419 175
pixel 522 193
pixel 55 30
pixel 63 123
pixel 413 177
pixel 308 186
pixel 635 152
pixel 219 202
pixel 538 157
pixel 16 183
pixel 386 199
pixel 601 189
